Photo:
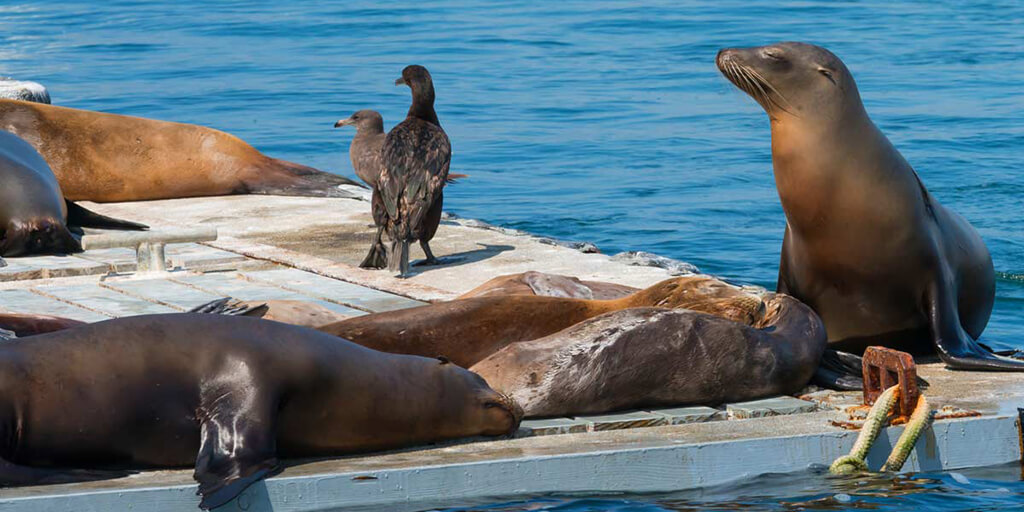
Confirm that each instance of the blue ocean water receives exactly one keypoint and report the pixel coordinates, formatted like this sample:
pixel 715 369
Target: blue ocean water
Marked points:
pixel 994 489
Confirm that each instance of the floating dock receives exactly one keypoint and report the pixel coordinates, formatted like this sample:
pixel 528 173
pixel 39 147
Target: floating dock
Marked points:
pixel 306 249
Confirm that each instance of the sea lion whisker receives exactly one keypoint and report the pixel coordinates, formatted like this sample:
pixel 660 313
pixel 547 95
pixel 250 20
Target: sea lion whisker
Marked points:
pixel 775 91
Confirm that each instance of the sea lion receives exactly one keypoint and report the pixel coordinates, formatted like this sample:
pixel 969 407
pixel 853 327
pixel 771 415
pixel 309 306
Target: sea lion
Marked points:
pixel 23 90
pixel 409 193
pixel 549 285
pixel 866 246
pixel 468 330
pixel 22 325
pixel 108 157
pixel 650 357
pixel 35 217
pixel 229 395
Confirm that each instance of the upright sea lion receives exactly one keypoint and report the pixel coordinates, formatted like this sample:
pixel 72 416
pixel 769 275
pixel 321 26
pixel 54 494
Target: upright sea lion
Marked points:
pixel 415 157
pixel 549 285
pixel 866 246
pixel 108 157
pixel 468 330
pixel 35 217
pixel 649 357
pixel 229 395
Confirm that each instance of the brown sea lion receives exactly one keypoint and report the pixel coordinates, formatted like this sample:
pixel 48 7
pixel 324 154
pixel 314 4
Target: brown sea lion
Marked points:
pixel 650 357
pixel 549 285
pixel 866 246
pixel 24 325
pixel 229 395
pixel 35 217
pixel 468 330
pixel 296 312
pixel 108 157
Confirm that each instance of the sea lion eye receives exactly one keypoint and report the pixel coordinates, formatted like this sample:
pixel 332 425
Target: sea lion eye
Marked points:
pixel 773 55
pixel 828 74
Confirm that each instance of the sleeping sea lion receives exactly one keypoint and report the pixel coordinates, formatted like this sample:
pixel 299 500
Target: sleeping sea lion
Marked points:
pixel 866 245
pixel 650 357
pixel 468 330
pixel 35 217
pixel 229 395
pixel 549 285
pixel 108 157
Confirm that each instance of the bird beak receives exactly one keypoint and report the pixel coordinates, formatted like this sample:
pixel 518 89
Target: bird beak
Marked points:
pixel 343 122
pixel 400 81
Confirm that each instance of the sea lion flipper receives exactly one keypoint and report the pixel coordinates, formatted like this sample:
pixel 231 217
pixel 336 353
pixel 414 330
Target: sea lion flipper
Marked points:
pixel 956 348
pixel 78 216
pixel 237 443
pixel 231 307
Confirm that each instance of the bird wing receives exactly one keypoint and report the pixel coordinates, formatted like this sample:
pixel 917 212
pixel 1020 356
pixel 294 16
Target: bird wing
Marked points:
pixel 416 156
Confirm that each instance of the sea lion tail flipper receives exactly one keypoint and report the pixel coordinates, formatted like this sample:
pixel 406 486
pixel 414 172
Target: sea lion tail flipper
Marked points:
pixel 231 307
pixel 237 445
pixel 284 178
pixel 840 371
pixel 81 217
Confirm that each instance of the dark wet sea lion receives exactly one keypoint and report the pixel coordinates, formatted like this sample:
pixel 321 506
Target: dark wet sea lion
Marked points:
pixel 866 246
pixel 415 157
pixel 549 285
pixel 229 395
pixel 468 330
pixel 108 157
pixel 35 217
pixel 649 357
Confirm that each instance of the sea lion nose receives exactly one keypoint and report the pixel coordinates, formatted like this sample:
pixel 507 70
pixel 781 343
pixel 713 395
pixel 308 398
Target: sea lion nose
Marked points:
pixel 725 56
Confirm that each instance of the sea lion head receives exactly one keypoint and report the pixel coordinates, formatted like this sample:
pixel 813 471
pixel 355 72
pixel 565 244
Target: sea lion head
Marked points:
pixel 487 412
pixel 365 121
pixel 791 80
pixel 38 236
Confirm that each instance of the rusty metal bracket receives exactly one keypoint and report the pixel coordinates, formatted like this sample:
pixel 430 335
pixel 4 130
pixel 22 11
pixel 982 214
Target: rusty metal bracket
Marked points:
pixel 884 368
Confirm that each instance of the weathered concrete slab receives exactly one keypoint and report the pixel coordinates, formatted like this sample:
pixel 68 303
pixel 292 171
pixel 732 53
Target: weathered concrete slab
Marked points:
pixel 24 301
pixel 41 267
pixel 169 293
pixel 618 421
pixel 776 406
pixel 198 257
pixel 696 414
pixel 230 284
pixel 103 300
pixel 333 290
pixel 472 254
pixel 117 260
pixel 552 426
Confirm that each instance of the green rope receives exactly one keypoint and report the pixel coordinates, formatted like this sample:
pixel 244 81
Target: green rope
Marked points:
pixel 876 419
pixel 919 420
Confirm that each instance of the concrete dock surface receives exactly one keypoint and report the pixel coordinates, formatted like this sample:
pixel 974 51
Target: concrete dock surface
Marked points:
pixel 306 249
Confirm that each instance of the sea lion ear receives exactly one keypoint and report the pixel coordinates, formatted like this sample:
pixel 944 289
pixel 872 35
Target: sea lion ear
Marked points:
pixel 443 359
